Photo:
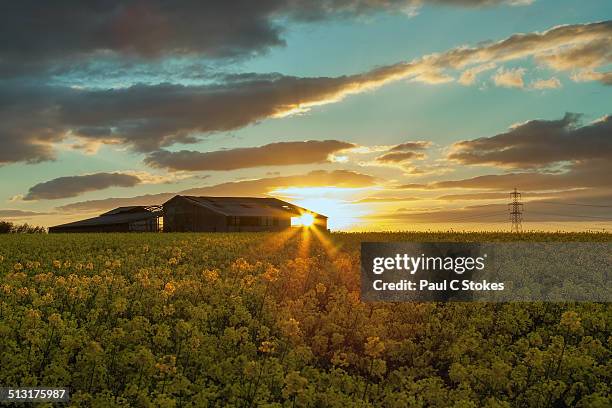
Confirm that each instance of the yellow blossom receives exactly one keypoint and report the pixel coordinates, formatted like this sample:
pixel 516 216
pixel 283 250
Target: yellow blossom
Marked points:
pixel 18 266
pixel 340 359
pixel 374 347
pixel 42 277
pixel 33 314
pixel 211 275
pixel 271 274
pixel 55 319
pixel 267 346
pixel 169 288
pixel 248 281
pixel 571 321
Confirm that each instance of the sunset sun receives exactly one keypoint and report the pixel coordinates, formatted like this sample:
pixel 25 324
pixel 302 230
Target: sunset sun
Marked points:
pixel 304 220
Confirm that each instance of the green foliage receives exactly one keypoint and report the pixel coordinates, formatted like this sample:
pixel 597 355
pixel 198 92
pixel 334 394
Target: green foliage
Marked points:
pixel 7 227
pixel 273 320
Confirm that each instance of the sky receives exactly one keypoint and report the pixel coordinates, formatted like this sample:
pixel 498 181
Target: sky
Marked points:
pixel 382 115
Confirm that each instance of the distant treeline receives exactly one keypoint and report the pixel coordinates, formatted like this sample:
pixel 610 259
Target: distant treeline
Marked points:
pixel 7 227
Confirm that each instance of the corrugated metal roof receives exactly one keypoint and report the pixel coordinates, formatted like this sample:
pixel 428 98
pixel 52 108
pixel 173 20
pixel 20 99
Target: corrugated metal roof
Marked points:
pixel 109 220
pixel 120 210
pixel 249 206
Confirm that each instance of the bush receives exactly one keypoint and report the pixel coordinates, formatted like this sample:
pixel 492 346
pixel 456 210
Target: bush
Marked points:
pixel 7 227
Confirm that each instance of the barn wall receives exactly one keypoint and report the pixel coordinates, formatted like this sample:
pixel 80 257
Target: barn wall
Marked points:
pixel 183 216
pixel 262 224
pixel 320 222
pixel 92 228
pixel 146 225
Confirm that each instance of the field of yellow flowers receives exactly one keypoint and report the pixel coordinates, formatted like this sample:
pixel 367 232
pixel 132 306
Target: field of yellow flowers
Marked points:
pixel 275 320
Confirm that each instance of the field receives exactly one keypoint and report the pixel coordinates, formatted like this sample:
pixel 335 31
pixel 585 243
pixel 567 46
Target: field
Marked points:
pixel 275 320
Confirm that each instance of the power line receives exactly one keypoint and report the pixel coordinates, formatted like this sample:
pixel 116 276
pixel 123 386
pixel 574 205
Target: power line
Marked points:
pixel 516 211
pixel 572 215
pixel 577 204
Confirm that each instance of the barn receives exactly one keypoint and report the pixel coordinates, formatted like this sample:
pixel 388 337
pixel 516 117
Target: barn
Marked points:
pixel 235 214
pixel 122 219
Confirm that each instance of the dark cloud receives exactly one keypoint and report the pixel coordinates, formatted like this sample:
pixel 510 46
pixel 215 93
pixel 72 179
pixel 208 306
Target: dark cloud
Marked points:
pixel 33 117
pixel 256 187
pixel 558 154
pixel 402 153
pixel 72 186
pixel 540 143
pixel 37 34
pixel 398 157
pixel 273 154
pixel 149 117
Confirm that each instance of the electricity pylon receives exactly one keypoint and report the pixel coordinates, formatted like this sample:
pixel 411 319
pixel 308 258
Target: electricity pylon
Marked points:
pixel 516 211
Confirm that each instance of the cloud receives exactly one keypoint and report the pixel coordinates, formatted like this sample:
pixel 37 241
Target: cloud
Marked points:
pixel 399 157
pixel 588 55
pixel 34 117
pixel 386 199
pixel 588 174
pixel 539 143
pixel 432 77
pixel 519 46
pixel 551 83
pixel 11 213
pixel 468 77
pixel 255 187
pixel 39 35
pixel 274 154
pixel 491 196
pixel 559 154
pixel 409 146
pixel 589 75
pixel 316 178
pixel 72 186
pixel 509 78
pixel 593 207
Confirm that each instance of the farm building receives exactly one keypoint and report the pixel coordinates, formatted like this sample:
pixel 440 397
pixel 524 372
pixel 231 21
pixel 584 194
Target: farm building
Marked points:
pixel 189 213
pixel 122 219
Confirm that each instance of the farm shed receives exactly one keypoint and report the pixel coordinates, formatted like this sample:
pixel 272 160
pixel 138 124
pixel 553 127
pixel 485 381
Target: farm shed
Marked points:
pixel 229 214
pixel 122 219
